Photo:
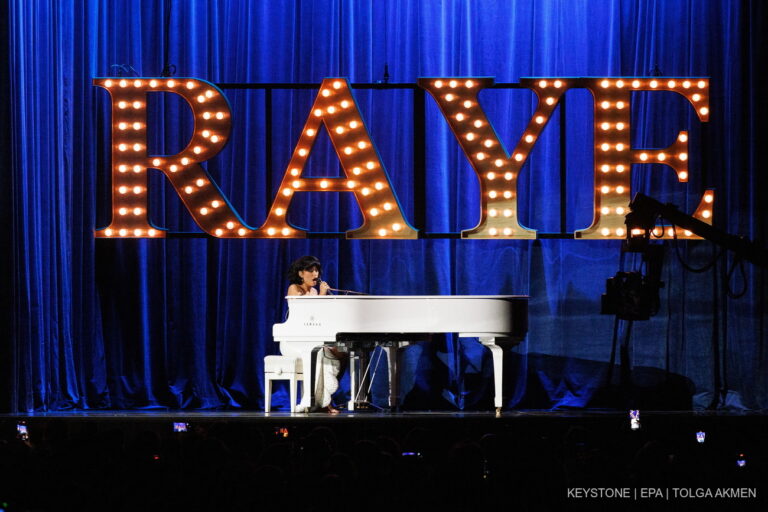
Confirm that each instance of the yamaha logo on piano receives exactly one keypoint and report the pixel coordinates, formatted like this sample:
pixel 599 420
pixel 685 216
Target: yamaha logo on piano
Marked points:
pixel 312 322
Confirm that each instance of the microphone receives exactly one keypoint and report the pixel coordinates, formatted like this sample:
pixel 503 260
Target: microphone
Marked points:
pixel 317 283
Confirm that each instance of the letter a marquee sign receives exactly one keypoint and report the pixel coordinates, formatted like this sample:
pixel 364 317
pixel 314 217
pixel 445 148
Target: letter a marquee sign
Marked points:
pixel 365 176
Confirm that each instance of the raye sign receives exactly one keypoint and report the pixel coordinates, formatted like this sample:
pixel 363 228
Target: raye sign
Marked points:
pixel 365 176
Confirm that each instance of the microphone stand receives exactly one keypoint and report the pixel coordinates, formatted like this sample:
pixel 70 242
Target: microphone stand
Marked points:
pixel 346 292
pixel 354 359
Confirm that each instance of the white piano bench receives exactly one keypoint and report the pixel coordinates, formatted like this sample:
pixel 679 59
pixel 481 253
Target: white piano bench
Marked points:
pixel 282 368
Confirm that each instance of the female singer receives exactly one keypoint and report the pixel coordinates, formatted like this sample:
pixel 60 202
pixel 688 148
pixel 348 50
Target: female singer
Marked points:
pixel 304 275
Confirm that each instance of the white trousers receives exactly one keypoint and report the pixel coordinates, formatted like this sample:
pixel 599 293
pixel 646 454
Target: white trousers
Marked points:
pixel 327 369
pixel 326 380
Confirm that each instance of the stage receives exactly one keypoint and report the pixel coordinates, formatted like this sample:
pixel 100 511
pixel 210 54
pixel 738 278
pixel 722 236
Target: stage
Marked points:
pixel 727 428
pixel 654 424
pixel 554 415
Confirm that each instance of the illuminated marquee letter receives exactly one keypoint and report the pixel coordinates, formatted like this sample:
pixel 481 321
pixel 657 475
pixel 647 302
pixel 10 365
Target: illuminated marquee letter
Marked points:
pixel 614 157
pixel 202 197
pixel 366 177
pixel 497 171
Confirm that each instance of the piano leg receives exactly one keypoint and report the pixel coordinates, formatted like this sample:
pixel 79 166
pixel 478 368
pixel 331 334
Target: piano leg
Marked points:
pixel 393 359
pixel 359 376
pixel 392 353
pixel 354 368
pixel 498 370
pixel 308 361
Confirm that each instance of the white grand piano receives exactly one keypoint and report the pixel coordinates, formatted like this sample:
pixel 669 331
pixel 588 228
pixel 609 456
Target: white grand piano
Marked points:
pixel 316 321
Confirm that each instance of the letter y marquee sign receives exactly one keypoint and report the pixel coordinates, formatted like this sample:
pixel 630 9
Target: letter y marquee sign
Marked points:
pixel 365 176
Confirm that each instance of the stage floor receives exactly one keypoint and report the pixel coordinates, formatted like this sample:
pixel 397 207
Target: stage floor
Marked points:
pixel 734 428
pixel 381 415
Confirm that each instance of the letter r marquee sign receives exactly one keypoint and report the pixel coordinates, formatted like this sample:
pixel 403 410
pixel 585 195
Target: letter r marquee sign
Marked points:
pixel 365 176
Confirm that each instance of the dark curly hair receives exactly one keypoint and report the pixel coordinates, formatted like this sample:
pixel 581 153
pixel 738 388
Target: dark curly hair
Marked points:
pixel 303 263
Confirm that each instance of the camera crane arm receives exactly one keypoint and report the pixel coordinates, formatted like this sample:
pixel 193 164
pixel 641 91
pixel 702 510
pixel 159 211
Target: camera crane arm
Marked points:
pixel 645 211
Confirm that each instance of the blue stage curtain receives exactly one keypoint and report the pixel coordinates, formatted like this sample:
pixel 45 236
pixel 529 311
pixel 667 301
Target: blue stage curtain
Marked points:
pixel 186 323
